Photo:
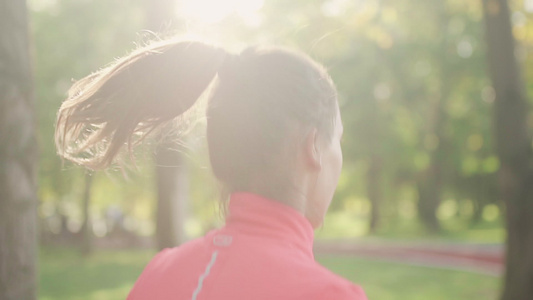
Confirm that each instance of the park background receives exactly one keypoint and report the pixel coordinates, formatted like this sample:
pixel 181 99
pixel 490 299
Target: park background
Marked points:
pixel 417 213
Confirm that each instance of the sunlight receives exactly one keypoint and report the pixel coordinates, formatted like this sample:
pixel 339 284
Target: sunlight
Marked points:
pixel 213 11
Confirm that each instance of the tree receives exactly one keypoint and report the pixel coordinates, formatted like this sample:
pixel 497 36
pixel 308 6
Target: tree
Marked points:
pixel 171 173
pixel 86 231
pixel 513 148
pixel 17 156
pixel 172 192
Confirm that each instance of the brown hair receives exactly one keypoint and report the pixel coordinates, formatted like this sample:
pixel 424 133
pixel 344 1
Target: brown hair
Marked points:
pixel 263 100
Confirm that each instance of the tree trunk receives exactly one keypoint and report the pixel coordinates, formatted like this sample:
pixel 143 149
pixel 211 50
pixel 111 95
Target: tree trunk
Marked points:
pixel 172 186
pixel 374 180
pixel 86 232
pixel 433 179
pixel 429 190
pixel 171 173
pixel 18 188
pixel 429 186
pixel 514 150
pixel 431 182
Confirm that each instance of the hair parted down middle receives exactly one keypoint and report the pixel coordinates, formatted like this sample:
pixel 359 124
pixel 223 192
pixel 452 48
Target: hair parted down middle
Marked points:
pixel 262 100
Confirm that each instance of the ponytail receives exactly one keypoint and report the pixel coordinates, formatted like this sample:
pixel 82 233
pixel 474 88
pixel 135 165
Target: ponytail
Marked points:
pixel 119 105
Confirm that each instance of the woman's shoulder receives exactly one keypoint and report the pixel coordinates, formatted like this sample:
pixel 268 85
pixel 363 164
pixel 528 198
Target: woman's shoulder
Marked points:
pixel 186 251
pixel 158 279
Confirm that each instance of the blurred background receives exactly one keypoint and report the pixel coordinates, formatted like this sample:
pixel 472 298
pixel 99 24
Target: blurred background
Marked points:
pixel 416 214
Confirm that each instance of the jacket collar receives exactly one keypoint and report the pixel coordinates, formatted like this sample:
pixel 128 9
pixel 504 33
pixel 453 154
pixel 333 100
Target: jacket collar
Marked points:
pixel 254 214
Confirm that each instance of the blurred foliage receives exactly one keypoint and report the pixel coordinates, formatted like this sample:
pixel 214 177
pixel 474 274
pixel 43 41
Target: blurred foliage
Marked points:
pixel 412 84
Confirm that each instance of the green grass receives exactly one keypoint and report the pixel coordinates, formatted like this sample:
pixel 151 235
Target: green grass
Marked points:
pixel 384 280
pixel 109 275
pixel 65 274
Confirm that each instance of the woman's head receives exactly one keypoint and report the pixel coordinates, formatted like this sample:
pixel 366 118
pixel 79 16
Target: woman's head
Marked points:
pixel 273 125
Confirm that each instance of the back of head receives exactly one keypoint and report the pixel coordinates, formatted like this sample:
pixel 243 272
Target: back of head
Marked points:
pixel 263 102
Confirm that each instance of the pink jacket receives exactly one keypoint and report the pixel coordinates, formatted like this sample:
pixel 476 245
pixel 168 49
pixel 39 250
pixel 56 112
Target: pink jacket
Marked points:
pixel 263 253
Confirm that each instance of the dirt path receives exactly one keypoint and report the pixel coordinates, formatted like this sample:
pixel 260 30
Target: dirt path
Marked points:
pixel 480 258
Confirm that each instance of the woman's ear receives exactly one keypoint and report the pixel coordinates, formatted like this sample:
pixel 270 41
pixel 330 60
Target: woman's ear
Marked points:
pixel 311 151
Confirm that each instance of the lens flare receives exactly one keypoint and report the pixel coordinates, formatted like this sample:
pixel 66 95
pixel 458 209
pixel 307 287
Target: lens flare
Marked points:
pixel 213 11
